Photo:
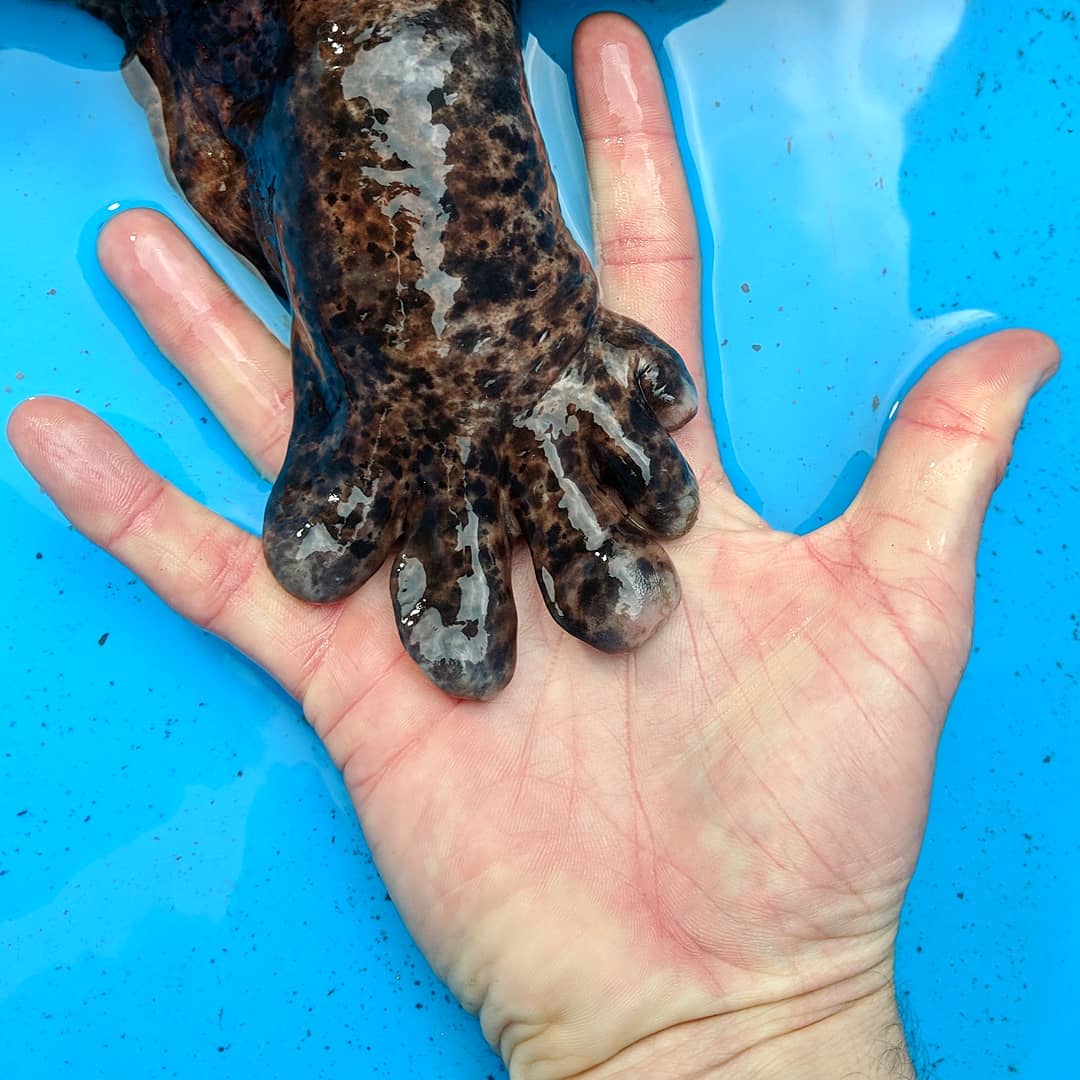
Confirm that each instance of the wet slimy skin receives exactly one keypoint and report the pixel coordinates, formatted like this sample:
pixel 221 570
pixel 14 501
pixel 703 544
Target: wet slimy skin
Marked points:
pixel 457 382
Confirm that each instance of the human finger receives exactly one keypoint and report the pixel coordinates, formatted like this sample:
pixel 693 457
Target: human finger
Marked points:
pixel 947 451
pixel 646 236
pixel 645 231
pixel 202 566
pixel 239 368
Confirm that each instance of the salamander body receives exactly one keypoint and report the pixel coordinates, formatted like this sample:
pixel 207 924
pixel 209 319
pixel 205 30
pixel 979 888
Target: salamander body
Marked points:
pixel 457 382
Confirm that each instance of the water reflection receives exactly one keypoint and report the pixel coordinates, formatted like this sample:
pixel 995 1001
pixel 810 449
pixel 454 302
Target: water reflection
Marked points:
pixel 796 127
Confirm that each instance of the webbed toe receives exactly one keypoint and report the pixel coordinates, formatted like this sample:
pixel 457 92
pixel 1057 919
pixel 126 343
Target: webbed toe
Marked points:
pixel 335 510
pixel 635 357
pixel 327 529
pixel 633 455
pixel 602 580
pixel 451 584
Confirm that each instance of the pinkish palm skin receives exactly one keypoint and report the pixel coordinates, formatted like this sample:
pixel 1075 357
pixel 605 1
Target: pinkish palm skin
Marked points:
pixel 457 382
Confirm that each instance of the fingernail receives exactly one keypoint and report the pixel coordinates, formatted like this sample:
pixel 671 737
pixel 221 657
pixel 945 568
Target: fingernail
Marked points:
pixel 170 270
pixel 620 90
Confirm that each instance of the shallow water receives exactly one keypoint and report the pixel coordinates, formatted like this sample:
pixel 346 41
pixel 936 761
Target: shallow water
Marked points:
pixel 182 884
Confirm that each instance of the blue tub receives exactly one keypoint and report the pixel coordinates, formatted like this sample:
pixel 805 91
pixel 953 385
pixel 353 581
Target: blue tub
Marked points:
pixel 183 888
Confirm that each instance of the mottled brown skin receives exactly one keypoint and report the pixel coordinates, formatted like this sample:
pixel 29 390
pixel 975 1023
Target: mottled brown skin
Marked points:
pixel 457 382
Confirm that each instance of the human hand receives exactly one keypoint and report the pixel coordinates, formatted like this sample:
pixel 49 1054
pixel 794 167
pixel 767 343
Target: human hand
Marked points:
pixel 691 858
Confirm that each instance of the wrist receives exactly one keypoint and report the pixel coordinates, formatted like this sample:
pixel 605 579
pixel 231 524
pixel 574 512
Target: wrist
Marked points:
pixel 849 1030
pixel 861 1038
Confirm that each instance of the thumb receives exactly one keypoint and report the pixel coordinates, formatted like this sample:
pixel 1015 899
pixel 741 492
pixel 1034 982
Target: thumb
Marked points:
pixel 947 451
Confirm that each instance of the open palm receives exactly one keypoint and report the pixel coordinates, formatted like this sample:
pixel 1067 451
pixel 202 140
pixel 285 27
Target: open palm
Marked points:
pixel 669 860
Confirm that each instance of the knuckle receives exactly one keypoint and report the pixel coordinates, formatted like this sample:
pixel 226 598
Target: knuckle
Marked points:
pixel 138 510
pixel 948 417
pixel 221 569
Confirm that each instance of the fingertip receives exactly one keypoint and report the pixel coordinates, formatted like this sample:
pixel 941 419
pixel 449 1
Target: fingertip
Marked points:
pixel 1023 339
pixel 950 445
pixel 1017 358
pixel 18 421
pixel 1041 352
pixel 77 459
pixel 603 28
pixel 159 272
pixel 169 285
pixel 982 388
pixel 121 233
pixel 35 425
pixel 620 91
pixel 19 431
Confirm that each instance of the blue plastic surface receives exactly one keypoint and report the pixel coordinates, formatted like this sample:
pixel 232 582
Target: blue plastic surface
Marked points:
pixel 183 889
